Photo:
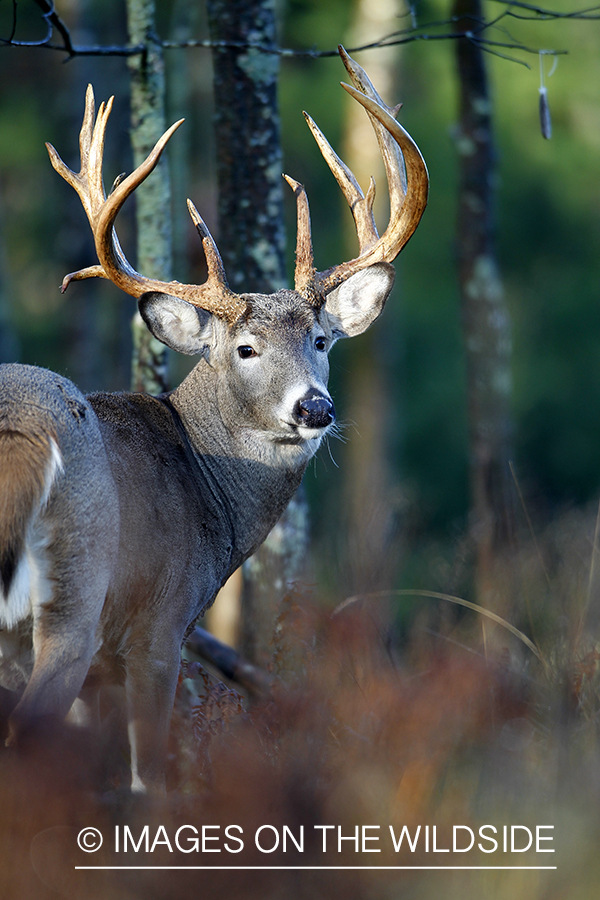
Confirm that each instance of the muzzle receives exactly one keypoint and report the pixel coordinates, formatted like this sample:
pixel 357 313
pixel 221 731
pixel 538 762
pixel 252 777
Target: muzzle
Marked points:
pixel 314 411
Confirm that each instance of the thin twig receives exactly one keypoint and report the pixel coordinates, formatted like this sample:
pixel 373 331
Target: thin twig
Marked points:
pixel 54 20
pixel 535 543
pixel 546 14
pixel 437 595
pixel 592 576
pixel 408 35
pixel 529 522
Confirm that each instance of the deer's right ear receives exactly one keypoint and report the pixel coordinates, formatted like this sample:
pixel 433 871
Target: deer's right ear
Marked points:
pixel 177 323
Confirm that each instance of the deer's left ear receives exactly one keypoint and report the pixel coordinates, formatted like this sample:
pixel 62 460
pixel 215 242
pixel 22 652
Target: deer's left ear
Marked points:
pixel 356 303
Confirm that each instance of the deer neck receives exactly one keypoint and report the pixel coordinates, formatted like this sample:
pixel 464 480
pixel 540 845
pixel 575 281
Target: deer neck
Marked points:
pixel 250 482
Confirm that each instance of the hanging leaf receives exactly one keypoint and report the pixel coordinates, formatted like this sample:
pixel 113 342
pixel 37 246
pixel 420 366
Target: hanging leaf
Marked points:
pixel 545 119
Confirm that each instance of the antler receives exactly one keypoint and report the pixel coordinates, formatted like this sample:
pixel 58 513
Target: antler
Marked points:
pixel 214 295
pixel 408 183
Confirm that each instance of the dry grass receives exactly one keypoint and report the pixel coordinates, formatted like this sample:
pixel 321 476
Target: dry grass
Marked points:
pixel 442 729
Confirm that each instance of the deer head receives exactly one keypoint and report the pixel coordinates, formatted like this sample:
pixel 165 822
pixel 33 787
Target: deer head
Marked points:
pixel 345 299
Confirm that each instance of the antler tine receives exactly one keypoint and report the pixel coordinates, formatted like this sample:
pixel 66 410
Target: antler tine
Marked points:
pixel 87 126
pixel 223 301
pixel 407 177
pixel 214 295
pixel 360 206
pixel 305 271
pixel 214 263
pixel 403 223
pixel 85 138
pixel 390 151
pixel 108 248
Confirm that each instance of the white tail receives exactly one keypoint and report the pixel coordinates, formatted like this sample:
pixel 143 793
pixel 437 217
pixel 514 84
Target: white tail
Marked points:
pixel 30 461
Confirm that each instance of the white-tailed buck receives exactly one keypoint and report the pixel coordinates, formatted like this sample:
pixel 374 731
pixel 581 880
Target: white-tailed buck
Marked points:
pixel 121 515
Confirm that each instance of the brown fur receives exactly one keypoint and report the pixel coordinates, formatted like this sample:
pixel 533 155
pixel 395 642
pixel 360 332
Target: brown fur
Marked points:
pixel 23 464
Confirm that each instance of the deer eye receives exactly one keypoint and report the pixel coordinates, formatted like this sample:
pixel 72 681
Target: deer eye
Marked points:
pixel 246 351
pixel 320 343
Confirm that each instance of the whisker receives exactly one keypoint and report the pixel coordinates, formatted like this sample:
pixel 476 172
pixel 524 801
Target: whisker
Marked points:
pixel 327 442
pixel 336 432
pixel 350 423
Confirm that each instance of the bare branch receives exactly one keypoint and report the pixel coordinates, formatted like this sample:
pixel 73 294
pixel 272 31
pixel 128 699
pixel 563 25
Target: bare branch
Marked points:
pixel 81 50
pixel 47 7
pixel 229 662
pixel 54 21
pixel 431 31
pixel 591 12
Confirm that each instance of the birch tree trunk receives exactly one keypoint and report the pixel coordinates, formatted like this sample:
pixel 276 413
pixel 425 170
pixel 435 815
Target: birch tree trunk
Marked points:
pixel 485 316
pixel 252 243
pixel 153 197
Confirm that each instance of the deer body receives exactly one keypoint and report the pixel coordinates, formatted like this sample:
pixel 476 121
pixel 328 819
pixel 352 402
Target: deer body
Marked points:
pixel 121 515
pixel 148 504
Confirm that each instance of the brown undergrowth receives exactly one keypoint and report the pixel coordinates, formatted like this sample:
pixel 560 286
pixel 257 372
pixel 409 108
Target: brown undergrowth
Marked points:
pixel 442 728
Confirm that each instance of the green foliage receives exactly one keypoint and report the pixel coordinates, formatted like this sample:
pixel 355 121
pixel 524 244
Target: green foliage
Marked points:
pixel 548 197
pixel 466 724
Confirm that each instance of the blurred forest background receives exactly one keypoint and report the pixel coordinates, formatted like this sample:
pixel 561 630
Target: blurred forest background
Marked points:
pixel 452 721
pixel 390 507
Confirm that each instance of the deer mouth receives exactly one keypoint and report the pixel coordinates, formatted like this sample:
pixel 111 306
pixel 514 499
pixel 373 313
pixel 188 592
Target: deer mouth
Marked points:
pixel 299 433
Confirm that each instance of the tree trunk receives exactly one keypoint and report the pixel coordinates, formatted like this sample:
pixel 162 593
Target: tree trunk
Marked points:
pixel 9 344
pixel 485 317
pixel 252 242
pixel 372 498
pixel 153 197
pixel 247 133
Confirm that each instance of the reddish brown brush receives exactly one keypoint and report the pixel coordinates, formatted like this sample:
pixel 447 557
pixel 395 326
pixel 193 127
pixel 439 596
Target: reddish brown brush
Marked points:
pixel 354 733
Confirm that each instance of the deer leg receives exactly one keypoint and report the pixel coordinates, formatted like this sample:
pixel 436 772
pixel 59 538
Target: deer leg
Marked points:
pixel 150 687
pixel 64 637
pixel 85 711
pixel 50 693
pixel 59 671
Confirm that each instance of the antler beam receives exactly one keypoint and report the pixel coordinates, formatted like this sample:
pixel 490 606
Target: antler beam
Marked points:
pixel 214 295
pixel 408 184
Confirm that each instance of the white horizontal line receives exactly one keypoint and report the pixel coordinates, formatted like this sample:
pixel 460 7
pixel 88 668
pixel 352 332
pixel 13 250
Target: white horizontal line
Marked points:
pixel 329 868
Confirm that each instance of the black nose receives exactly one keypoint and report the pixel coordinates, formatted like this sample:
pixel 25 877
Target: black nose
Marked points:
pixel 314 411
